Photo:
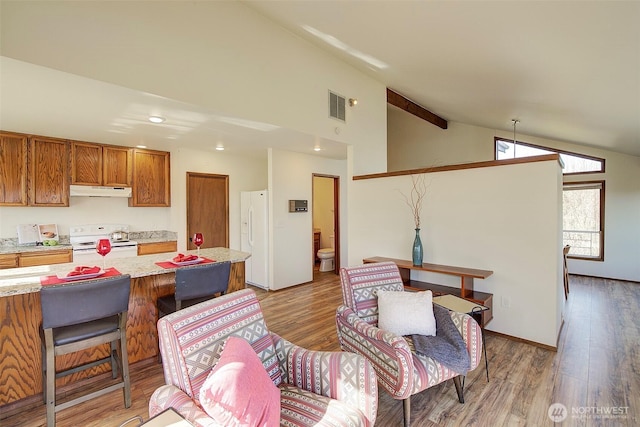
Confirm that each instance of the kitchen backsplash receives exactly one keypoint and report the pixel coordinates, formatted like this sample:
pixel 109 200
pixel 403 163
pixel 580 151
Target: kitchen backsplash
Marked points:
pixel 156 234
pixel 134 235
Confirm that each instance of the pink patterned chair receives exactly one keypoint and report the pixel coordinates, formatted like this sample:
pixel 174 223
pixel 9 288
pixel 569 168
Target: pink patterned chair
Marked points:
pixel 401 371
pixel 316 388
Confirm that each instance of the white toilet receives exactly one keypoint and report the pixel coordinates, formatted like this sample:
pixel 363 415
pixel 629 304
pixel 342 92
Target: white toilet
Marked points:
pixel 327 256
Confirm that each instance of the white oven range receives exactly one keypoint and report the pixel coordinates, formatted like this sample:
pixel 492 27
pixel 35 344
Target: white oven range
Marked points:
pixel 83 239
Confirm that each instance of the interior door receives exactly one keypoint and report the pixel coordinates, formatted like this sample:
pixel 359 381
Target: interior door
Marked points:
pixel 208 209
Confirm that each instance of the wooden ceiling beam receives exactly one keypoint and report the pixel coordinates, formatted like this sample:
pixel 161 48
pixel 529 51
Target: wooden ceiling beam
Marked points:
pixel 409 106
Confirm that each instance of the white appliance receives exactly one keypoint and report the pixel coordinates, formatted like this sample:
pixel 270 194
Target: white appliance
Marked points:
pixel 254 230
pixel 83 239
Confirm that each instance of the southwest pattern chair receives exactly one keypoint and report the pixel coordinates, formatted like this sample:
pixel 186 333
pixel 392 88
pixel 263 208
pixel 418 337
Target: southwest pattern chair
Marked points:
pixel 316 388
pixel 401 371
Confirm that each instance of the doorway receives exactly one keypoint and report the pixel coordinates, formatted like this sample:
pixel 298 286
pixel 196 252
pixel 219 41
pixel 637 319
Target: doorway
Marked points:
pixel 208 209
pixel 326 217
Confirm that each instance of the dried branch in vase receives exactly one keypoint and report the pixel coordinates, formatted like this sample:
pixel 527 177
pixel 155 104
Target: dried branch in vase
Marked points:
pixel 416 196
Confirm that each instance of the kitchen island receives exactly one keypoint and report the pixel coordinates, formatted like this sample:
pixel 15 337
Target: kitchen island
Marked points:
pixel 20 317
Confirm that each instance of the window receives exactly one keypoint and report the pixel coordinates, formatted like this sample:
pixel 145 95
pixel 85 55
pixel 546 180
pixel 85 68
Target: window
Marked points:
pixel 573 163
pixel 583 219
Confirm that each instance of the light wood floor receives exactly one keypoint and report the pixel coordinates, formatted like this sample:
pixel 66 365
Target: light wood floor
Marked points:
pixel 597 366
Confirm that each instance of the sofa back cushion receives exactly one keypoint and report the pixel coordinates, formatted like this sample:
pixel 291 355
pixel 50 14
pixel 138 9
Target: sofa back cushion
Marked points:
pixel 360 285
pixel 192 339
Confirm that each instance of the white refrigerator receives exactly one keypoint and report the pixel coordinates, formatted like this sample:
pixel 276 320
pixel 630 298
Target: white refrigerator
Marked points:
pixel 254 229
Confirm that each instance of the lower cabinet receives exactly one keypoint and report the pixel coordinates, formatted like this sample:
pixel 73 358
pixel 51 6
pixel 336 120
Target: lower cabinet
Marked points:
pixel 8 261
pixel 157 247
pixel 60 256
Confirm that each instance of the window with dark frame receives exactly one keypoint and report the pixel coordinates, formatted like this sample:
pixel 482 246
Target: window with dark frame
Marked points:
pixel 574 163
pixel 583 219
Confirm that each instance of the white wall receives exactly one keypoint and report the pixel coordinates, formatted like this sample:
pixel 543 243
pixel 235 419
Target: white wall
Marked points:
pixel 503 219
pixel 219 55
pixel 292 233
pixel 415 143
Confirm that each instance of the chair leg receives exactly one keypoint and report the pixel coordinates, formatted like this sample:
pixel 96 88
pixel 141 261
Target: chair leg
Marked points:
pixel 51 387
pixel 459 388
pixel 406 406
pixel 114 360
pixel 125 368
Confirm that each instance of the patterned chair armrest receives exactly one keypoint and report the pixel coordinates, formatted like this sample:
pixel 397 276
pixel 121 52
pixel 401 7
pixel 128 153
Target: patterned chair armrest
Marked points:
pixel 389 354
pixel 169 396
pixel 346 377
pixel 471 334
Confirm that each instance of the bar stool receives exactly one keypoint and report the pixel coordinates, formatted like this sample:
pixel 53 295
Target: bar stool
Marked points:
pixel 81 315
pixel 195 285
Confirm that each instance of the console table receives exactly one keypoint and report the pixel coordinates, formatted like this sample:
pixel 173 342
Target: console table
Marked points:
pixel 466 275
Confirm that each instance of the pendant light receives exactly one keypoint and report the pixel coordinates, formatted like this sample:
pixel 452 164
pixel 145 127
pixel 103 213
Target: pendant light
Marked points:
pixel 515 143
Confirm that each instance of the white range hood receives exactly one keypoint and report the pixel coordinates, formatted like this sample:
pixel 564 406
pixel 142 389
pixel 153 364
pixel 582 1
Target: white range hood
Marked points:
pixel 95 191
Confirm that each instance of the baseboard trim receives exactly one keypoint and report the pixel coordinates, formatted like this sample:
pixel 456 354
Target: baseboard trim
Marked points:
pixel 605 278
pixel 522 340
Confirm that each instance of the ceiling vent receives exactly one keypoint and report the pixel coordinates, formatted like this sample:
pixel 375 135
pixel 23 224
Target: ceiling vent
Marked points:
pixel 336 106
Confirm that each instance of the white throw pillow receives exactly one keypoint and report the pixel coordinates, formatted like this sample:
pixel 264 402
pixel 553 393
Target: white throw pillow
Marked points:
pixel 406 313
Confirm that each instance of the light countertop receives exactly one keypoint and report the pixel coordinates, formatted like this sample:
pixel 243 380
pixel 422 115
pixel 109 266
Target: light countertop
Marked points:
pixel 24 280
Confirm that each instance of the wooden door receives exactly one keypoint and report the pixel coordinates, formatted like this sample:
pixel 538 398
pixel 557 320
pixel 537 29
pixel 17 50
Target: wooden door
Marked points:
pixel 208 209
pixel 13 169
pixel 48 172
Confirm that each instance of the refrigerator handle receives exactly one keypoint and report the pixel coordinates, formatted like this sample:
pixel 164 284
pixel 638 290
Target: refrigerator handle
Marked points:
pixel 251 225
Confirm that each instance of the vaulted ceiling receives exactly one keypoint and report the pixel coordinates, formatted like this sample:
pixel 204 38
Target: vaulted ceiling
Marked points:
pixel 569 71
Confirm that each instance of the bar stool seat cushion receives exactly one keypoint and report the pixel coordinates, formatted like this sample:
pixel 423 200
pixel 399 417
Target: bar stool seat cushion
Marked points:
pixel 70 334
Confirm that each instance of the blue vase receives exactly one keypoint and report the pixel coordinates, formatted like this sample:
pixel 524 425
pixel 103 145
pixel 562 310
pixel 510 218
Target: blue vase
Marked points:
pixel 417 249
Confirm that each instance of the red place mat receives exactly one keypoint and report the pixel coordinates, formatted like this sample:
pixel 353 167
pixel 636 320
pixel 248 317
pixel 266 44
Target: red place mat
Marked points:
pixel 169 264
pixel 53 280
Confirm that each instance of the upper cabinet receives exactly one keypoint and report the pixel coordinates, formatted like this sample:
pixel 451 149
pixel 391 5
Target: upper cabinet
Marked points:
pixel 151 184
pixel 117 166
pixel 13 169
pixel 48 183
pixel 96 164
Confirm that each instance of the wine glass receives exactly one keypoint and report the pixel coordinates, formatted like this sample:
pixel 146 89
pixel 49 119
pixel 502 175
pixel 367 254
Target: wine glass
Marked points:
pixel 198 240
pixel 103 248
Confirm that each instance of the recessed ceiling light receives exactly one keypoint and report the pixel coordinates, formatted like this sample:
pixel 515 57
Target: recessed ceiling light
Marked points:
pixel 316 149
pixel 141 146
pixel 220 148
pixel 156 119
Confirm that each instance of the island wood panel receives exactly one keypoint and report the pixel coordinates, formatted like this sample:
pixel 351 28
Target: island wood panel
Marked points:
pixel 21 361
pixel 236 277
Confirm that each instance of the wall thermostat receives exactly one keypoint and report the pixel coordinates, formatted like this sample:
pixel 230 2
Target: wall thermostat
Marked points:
pixel 298 206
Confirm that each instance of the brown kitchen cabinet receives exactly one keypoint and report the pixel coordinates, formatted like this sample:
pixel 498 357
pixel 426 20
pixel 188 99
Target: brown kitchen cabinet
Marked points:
pixel 47 257
pixel 48 176
pixel 97 164
pixel 157 247
pixel 8 261
pixel 151 184
pixel 30 259
pixel 13 169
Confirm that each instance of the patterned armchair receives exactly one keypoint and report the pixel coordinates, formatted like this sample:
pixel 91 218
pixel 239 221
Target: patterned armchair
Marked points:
pixel 316 388
pixel 401 371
